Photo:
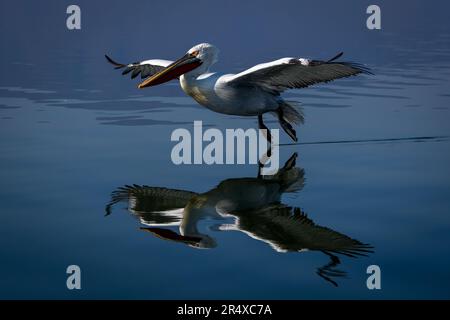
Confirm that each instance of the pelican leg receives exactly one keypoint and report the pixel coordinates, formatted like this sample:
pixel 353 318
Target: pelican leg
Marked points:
pixel 267 134
pixel 287 127
pixel 260 166
pixel 329 272
pixel 291 162
pixel 262 161
pixel 262 126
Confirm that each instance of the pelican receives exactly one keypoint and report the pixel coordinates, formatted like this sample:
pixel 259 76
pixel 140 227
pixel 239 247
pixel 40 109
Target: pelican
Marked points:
pixel 252 92
pixel 255 208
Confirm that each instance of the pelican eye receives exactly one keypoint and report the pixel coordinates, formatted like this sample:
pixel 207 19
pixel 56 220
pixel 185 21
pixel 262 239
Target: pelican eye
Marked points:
pixel 194 53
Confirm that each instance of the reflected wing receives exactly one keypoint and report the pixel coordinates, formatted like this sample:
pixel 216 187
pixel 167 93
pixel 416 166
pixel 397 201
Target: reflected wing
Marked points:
pixel 145 68
pixel 288 73
pixel 287 229
pixel 154 205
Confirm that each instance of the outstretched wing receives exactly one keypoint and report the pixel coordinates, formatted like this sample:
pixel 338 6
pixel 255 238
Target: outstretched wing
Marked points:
pixel 153 205
pixel 145 68
pixel 289 73
pixel 289 229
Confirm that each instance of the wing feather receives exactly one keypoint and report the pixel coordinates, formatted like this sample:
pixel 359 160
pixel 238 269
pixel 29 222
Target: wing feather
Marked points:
pixel 150 199
pixel 290 229
pixel 290 73
pixel 145 68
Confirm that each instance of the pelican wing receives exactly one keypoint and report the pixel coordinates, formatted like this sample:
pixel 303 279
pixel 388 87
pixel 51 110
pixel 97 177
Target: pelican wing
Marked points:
pixel 145 68
pixel 288 229
pixel 154 205
pixel 289 73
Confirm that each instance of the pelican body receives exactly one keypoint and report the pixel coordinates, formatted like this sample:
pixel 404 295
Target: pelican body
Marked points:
pixel 253 92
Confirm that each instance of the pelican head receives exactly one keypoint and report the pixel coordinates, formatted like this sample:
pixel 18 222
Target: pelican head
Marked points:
pixel 196 61
pixel 206 52
pixel 206 242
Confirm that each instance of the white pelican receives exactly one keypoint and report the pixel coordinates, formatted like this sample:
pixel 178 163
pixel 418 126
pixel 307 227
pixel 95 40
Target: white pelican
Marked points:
pixel 252 92
pixel 254 205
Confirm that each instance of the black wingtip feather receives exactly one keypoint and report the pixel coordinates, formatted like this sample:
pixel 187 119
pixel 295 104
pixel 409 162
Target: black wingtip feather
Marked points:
pixel 127 70
pixel 360 67
pixel 336 57
pixel 118 65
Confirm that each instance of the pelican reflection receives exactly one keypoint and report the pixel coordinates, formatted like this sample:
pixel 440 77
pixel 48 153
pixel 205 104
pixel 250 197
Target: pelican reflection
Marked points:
pixel 249 205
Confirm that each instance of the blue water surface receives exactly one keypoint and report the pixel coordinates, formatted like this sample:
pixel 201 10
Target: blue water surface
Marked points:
pixel 373 154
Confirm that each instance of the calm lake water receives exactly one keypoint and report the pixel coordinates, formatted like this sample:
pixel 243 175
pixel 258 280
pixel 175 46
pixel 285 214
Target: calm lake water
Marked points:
pixel 372 174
